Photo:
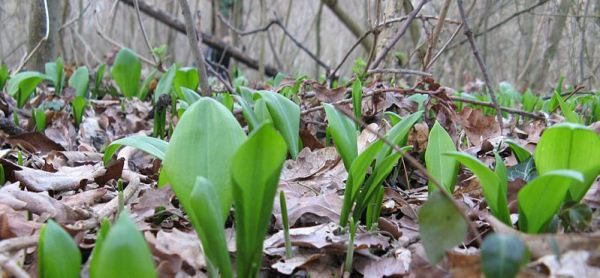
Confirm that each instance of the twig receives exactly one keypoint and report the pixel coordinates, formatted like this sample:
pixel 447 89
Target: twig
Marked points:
pixel 16 243
pixel 398 35
pixel 109 208
pixel 12 267
pixel 37 46
pixel 75 18
pixel 358 42
pixel 469 34
pixel 421 17
pixel 419 167
pixel 193 40
pixel 139 19
pixel 437 55
pixel 436 33
pixel 536 116
pixel 399 71
pixel 102 35
pixel 228 86
pixel 285 31
pixel 502 22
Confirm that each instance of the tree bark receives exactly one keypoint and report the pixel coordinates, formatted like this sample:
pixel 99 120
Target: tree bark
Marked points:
pixel 553 41
pixel 48 50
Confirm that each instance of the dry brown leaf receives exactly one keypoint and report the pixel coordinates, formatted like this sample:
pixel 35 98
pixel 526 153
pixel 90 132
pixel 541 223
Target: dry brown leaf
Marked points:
pixel 325 237
pixel 574 263
pixel 179 250
pixel 287 266
pixel 478 126
pixel 35 142
pixel 396 266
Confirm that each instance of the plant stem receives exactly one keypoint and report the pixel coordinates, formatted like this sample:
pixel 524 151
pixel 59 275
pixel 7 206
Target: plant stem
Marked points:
pixel 286 225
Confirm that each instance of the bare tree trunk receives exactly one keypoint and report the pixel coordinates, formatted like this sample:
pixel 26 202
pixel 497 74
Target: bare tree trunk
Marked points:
pixel 553 41
pixel 48 50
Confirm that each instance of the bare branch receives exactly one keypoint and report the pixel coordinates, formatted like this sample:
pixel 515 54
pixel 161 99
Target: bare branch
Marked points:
pixel 195 47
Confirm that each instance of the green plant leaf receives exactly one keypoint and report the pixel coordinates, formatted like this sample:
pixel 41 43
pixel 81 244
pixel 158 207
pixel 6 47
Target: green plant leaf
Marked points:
pixel 165 84
pixel 202 144
pixel 255 173
pixel 286 119
pixel 521 153
pixel 124 252
pixel 494 190
pixel 503 255
pixel 55 240
pixel 150 145
pixel 79 104
pixel 443 168
pixel 356 177
pixel 343 132
pixel 393 117
pixel 4 74
pixel 56 74
pixel 98 80
pixel 126 72
pixel 189 96
pixel 441 226
pixel 357 100
pixel 102 233
pixel 39 116
pixel 80 81
pixel 398 135
pixel 570 146
pixel 524 170
pixel 23 84
pixel 210 226
pixel 145 88
pixel 569 114
pixel 540 199
pixel 186 77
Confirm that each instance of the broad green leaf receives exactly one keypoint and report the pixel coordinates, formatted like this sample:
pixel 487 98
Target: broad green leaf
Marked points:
pixel 186 77
pixel 419 99
pixel 357 100
pixel 494 190
pixel 145 88
pixel 39 116
pixel 569 114
pixel 98 79
pixel 255 174
pixel 261 111
pixel 4 74
pixel 189 96
pixel 55 240
pixel 79 104
pixel 150 145
pixel 503 255
pixel 165 84
pixel 393 117
pixel 210 226
pixel 398 135
pixel 520 152
pixel 56 74
pixel 343 132
pixel 126 72
pixel 124 252
pixel 286 119
pixel 23 84
pixel 540 199
pixel 101 235
pixel 356 177
pixel 441 226
pixel 247 111
pixel 524 170
pixel 80 81
pixel 202 144
pixel 443 168
pixel 531 102
pixel 570 146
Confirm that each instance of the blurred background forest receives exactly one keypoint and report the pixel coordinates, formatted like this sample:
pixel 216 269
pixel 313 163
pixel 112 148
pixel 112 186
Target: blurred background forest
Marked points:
pixel 529 44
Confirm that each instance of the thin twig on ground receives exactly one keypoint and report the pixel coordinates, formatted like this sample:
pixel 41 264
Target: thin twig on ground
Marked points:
pixel 469 34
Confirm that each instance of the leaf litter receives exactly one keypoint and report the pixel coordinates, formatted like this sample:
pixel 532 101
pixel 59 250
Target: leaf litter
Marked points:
pixel 63 178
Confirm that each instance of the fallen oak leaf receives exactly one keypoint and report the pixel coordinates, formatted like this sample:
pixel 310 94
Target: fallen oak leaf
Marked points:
pixel 34 142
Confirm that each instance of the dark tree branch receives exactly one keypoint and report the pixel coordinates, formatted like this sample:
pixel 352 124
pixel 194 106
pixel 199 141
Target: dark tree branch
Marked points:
pixel 209 40
pixel 469 35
